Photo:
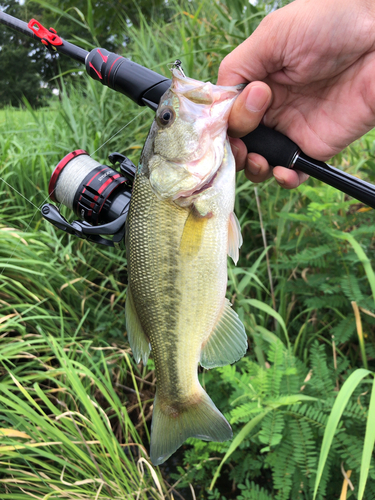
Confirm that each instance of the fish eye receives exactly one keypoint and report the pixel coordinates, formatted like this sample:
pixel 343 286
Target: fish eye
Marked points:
pixel 166 116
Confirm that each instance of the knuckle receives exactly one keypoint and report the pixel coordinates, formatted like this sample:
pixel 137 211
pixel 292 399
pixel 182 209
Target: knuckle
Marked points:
pixel 224 67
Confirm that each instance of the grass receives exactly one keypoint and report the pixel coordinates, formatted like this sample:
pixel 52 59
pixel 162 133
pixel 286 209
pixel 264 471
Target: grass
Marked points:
pixel 68 426
pixel 74 408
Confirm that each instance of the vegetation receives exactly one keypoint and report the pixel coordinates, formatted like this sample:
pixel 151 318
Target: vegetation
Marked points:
pixel 75 410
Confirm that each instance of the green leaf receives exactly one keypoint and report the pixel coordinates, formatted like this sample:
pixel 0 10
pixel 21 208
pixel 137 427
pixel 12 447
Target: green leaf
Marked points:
pixel 282 401
pixel 337 410
pixel 368 446
pixel 237 441
pixel 365 261
pixel 90 20
pixel 267 309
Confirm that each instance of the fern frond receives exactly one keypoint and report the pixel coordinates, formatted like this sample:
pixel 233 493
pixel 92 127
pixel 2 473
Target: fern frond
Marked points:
pixel 351 450
pixel 351 289
pixel 321 302
pixel 271 430
pixel 344 330
pixel 312 257
pixel 252 491
pixel 294 374
pixel 275 373
pixel 313 414
pixel 283 467
pixel 245 412
pixel 305 453
pixel 356 411
pixel 322 377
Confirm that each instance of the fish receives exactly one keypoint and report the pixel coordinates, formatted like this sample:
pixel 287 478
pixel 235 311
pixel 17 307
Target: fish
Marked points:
pixel 179 230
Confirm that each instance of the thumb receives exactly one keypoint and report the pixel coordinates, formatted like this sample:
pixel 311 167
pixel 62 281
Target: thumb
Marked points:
pixel 249 109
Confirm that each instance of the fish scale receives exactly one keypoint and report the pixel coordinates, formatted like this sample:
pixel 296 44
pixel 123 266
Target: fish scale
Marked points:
pixel 178 302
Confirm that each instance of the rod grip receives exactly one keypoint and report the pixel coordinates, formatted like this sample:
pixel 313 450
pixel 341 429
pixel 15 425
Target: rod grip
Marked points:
pixel 123 75
pixel 277 148
pixel 280 150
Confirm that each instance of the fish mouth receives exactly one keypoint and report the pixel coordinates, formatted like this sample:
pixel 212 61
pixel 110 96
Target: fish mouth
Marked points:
pixel 203 184
pixel 207 185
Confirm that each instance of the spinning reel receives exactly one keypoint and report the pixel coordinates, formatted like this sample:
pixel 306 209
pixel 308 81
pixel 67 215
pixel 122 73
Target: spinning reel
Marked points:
pixel 97 193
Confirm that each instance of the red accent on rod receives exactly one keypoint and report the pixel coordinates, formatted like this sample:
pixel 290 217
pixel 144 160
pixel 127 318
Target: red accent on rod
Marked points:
pixel 105 58
pixel 96 71
pixel 110 69
pixel 46 36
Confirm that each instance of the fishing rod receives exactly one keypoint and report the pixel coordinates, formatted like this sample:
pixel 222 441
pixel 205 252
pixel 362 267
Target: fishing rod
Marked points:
pixel 101 195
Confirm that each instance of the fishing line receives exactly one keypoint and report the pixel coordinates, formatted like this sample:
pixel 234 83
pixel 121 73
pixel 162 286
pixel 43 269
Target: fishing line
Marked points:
pixel 14 189
pixel 121 129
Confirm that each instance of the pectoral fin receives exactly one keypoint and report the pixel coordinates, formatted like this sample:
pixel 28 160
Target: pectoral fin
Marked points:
pixel 138 340
pixel 192 235
pixel 234 237
pixel 227 342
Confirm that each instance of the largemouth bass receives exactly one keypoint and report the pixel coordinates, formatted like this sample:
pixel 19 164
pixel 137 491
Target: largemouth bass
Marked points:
pixel 180 228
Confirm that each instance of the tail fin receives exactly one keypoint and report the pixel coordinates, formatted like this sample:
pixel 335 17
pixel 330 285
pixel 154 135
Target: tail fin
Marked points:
pixel 171 427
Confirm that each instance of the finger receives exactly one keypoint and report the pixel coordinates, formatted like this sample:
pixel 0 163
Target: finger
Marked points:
pixel 289 179
pixel 239 152
pixel 249 108
pixel 248 61
pixel 262 53
pixel 257 168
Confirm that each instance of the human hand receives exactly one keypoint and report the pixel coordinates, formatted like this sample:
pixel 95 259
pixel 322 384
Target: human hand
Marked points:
pixel 312 68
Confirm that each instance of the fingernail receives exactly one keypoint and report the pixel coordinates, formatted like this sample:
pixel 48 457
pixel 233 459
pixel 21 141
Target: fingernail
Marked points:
pixel 257 99
pixel 254 167
pixel 280 180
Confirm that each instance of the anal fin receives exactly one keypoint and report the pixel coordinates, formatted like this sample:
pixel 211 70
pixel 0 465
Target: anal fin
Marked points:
pixel 228 341
pixel 138 340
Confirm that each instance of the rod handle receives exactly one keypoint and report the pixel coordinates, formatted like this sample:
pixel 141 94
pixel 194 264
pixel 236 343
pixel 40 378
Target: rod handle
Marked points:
pixel 280 150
